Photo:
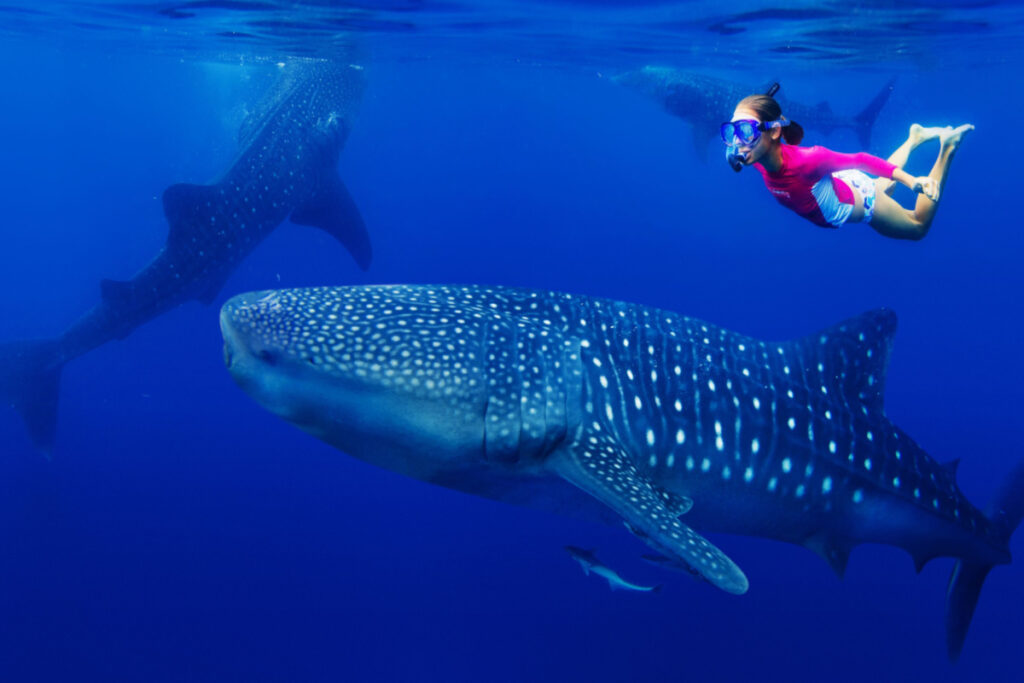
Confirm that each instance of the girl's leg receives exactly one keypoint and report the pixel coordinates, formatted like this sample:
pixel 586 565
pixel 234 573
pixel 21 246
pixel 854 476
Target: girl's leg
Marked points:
pixel 924 208
pixel 891 219
pixel 918 134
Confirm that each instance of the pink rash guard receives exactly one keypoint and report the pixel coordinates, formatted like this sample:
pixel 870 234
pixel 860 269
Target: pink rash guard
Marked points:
pixel 805 183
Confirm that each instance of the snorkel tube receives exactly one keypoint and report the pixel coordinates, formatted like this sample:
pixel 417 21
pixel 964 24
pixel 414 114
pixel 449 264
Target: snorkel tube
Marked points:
pixel 733 156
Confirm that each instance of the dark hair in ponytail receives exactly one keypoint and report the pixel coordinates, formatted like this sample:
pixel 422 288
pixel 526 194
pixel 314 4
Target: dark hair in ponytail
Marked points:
pixel 767 109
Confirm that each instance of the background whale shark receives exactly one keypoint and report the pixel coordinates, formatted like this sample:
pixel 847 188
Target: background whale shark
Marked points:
pixel 286 168
pixel 624 413
pixel 705 102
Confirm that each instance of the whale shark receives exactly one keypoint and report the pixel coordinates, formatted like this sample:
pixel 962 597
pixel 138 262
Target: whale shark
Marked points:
pixel 589 563
pixel 705 102
pixel 623 413
pixel 286 168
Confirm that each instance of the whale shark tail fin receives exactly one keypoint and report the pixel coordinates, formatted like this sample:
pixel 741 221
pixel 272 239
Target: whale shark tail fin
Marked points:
pixel 333 210
pixel 29 382
pixel 865 120
pixel 1006 512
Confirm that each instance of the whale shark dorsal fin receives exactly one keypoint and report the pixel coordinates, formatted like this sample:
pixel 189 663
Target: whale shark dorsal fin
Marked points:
pixel 332 209
pixel 853 356
pixel 605 471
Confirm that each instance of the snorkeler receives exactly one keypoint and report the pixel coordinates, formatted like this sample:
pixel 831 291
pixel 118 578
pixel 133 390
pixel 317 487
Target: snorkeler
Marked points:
pixel 829 188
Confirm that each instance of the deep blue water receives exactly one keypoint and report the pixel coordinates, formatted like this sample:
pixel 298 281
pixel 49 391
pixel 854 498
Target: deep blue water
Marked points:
pixel 181 533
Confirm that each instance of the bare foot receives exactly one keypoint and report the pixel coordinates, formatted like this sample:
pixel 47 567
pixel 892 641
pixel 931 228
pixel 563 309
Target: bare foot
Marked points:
pixel 951 138
pixel 919 133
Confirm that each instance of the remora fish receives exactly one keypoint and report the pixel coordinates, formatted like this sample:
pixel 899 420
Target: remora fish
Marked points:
pixel 287 167
pixel 595 407
pixel 706 102
pixel 589 562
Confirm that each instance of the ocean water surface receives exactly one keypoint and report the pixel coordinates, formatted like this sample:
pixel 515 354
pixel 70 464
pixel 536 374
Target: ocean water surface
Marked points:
pixel 180 532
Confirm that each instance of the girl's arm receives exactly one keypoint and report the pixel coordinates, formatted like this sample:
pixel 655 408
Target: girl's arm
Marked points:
pixel 827 161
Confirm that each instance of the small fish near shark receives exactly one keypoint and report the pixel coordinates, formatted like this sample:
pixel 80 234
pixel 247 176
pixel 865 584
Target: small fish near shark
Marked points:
pixel 286 168
pixel 589 562
pixel 705 102
pixel 625 414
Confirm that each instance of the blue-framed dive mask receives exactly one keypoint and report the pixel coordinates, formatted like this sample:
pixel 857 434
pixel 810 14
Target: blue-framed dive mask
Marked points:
pixel 748 131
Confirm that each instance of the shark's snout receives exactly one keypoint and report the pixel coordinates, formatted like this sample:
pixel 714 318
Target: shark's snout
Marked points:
pixel 387 374
pixel 244 345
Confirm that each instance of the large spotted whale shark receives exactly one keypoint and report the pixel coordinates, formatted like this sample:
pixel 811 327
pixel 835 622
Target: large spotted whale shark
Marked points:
pixel 286 167
pixel 622 412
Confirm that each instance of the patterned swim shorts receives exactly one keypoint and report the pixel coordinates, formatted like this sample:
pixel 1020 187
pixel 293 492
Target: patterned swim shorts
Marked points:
pixel 865 187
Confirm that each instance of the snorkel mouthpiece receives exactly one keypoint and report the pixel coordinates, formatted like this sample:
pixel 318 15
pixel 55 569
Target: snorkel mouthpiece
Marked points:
pixel 735 158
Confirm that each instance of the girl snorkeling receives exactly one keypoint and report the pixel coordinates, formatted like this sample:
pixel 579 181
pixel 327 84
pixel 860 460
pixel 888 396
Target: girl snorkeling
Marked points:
pixel 829 188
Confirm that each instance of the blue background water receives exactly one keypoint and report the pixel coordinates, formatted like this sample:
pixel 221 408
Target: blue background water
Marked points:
pixel 181 533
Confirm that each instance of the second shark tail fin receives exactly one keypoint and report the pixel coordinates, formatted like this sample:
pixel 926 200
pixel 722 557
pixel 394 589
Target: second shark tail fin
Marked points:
pixel 1006 512
pixel 30 383
pixel 865 120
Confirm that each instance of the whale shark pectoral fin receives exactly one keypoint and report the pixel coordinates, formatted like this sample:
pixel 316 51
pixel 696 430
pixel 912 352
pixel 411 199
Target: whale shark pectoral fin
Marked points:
pixel 333 210
pixel 605 471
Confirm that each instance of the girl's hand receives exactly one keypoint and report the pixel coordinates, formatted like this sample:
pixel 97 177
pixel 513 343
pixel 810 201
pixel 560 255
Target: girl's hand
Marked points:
pixel 929 187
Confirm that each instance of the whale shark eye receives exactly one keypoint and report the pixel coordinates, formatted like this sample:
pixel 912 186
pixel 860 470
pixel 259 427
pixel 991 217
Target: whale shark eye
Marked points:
pixel 267 356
